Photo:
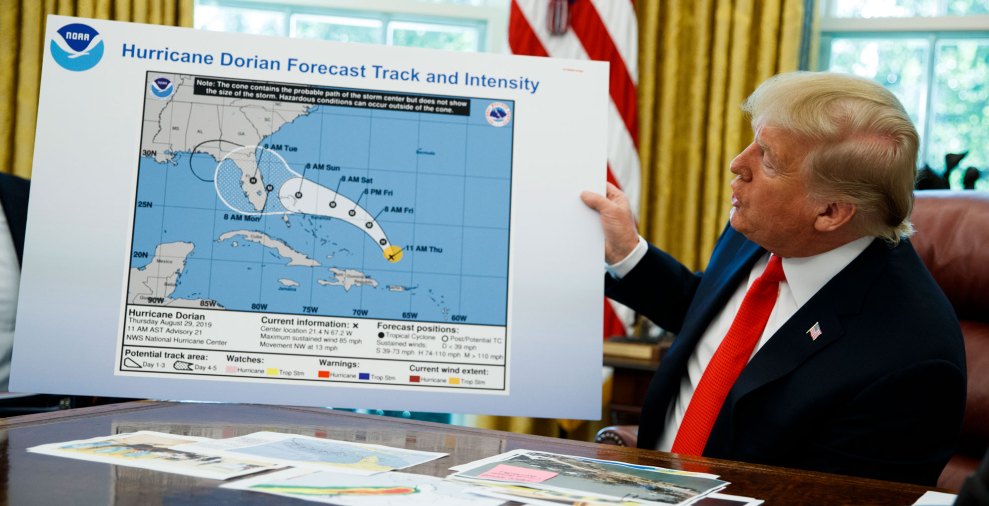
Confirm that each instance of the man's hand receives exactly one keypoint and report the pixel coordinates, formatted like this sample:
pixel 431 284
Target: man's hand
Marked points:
pixel 620 234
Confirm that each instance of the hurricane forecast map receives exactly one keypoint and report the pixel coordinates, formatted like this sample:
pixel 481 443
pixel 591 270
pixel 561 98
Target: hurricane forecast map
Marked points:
pixel 286 231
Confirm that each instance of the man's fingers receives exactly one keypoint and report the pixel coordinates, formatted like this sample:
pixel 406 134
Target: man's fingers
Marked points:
pixel 613 195
pixel 593 200
pixel 620 236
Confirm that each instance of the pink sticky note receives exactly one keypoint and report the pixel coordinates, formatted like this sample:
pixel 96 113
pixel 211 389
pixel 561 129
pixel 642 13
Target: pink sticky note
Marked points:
pixel 503 472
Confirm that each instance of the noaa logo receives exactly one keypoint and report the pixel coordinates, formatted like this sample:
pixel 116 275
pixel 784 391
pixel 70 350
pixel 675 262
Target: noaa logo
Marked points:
pixel 161 87
pixel 77 47
pixel 498 114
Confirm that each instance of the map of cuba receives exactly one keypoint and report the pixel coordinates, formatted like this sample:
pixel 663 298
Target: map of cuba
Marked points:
pixel 278 198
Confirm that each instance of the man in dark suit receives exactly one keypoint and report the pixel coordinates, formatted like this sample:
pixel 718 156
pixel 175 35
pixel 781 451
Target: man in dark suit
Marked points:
pixel 857 365
pixel 13 200
pixel 13 197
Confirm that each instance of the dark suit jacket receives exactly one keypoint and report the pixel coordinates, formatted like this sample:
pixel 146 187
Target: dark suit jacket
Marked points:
pixel 14 195
pixel 880 393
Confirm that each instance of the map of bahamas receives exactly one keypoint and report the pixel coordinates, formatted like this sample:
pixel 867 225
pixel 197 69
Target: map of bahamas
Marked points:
pixel 325 201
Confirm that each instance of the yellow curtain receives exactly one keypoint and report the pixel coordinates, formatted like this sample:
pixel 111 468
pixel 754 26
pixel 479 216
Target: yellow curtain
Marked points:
pixel 22 29
pixel 698 61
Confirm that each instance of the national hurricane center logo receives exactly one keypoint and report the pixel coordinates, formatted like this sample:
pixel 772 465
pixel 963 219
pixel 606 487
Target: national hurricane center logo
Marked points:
pixel 498 114
pixel 77 47
pixel 161 87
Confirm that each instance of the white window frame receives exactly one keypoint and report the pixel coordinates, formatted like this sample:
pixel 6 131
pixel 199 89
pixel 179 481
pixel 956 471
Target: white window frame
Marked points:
pixel 931 28
pixel 488 16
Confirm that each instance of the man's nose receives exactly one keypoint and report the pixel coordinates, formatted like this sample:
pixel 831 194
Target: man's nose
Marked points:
pixel 739 167
pixel 740 164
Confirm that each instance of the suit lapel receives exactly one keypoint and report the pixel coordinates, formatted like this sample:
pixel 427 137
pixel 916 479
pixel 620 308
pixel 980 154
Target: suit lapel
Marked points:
pixel 728 267
pixel 730 263
pixel 790 346
pixel 813 327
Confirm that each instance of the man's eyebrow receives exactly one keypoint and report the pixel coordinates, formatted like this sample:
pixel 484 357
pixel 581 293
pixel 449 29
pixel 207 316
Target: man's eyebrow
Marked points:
pixel 767 151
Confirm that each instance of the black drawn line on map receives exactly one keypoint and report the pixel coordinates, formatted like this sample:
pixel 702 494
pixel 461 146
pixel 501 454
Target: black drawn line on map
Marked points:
pixel 357 203
pixel 333 203
pixel 195 149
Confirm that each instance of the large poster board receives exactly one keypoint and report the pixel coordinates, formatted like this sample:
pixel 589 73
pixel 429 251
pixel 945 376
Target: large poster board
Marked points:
pixel 239 218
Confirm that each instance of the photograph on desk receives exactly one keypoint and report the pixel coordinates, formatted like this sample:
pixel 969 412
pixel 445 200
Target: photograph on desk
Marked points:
pixel 158 452
pixel 557 498
pixel 591 479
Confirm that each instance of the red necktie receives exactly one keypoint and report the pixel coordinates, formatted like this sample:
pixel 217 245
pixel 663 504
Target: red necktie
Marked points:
pixel 729 360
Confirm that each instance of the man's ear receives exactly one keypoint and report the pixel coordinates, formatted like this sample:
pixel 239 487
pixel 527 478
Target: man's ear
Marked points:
pixel 833 216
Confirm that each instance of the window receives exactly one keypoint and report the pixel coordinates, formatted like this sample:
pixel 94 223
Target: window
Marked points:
pixel 458 25
pixel 934 55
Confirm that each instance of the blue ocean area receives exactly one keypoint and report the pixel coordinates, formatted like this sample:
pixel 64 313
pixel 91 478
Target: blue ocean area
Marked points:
pixel 438 187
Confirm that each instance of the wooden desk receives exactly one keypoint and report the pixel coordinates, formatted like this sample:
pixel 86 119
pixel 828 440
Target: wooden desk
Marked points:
pixel 41 479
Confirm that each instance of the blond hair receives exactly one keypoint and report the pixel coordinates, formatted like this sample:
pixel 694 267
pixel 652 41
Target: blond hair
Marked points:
pixel 864 144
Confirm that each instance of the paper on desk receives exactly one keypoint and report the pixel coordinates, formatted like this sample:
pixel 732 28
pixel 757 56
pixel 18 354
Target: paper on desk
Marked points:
pixel 540 497
pixel 515 474
pixel 156 451
pixel 932 498
pixel 494 458
pixel 348 490
pixel 602 479
pixel 554 498
pixel 313 452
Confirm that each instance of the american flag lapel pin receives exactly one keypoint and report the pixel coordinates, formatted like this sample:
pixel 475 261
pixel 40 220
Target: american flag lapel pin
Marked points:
pixel 815 331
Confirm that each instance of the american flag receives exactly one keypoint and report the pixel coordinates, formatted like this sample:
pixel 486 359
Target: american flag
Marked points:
pixel 815 331
pixel 604 30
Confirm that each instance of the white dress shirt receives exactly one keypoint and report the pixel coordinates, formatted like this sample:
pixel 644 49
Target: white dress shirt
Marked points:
pixel 804 277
